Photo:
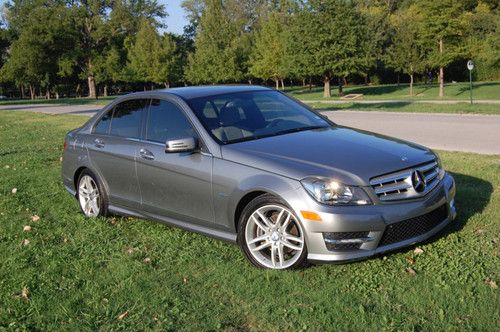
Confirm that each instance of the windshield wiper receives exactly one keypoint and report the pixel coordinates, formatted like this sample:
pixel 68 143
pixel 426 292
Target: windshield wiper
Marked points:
pixel 295 130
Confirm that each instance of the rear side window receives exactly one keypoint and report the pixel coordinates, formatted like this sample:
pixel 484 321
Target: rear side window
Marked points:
pixel 166 122
pixel 127 117
pixel 102 127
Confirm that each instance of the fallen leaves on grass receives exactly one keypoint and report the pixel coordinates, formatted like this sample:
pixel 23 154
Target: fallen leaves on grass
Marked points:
pixel 147 260
pixel 479 231
pixel 122 315
pixel 27 228
pixel 14 190
pixel 411 271
pixel 418 251
pixel 491 283
pixel 410 260
pixel 25 242
pixel 130 250
pixel 25 294
pixel 35 218
pixel 185 280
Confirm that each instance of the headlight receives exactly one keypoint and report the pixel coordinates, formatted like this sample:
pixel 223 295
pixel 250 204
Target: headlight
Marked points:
pixel 440 169
pixel 328 191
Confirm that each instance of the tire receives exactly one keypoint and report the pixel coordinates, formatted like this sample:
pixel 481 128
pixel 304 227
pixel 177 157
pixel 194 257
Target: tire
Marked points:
pixel 91 195
pixel 270 234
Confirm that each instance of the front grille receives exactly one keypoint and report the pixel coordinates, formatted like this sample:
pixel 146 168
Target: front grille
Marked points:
pixel 331 237
pixel 410 228
pixel 409 183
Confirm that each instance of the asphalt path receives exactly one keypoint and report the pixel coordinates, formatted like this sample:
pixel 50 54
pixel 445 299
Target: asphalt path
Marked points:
pixel 452 132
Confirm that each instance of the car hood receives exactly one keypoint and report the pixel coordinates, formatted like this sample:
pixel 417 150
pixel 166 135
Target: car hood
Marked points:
pixel 348 155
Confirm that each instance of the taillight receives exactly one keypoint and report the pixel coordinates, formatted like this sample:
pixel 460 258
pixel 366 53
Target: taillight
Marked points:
pixel 65 145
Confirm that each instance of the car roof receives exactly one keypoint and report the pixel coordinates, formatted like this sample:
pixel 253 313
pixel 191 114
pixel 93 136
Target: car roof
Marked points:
pixel 192 92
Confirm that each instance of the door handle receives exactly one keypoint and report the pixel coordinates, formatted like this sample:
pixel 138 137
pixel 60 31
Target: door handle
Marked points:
pixel 146 154
pixel 99 143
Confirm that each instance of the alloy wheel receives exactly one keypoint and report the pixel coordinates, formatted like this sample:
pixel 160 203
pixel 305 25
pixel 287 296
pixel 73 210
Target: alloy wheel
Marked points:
pixel 88 196
pixel 274 237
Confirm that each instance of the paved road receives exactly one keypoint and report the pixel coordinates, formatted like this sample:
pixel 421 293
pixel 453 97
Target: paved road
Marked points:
pixel 454 132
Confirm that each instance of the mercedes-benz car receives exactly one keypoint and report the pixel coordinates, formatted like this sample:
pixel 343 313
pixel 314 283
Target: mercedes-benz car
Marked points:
pixel 251 165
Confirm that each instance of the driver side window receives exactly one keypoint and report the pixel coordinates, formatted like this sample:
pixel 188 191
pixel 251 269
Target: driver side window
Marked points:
pixel 166 122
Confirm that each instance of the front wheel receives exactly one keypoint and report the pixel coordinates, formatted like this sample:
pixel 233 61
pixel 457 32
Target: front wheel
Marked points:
pixel 91 195
pixel 270 234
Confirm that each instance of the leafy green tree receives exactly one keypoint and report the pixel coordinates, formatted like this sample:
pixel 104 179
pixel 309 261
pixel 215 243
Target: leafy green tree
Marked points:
pixel 41 43
pixel 270 59
pixel 442 30
pixel 482 40
pixel 217 51
pixel 331 40
pixel 406 53
pixel 153 58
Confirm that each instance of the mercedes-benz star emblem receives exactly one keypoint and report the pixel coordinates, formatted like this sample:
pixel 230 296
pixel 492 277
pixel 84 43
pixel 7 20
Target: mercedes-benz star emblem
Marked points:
pixel 418 181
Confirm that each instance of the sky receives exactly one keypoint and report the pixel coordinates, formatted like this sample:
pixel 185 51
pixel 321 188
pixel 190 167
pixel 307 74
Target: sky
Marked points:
pixel 176 19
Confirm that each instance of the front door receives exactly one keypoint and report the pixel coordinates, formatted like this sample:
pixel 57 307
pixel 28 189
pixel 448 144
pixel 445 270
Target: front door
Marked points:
pixel 176 185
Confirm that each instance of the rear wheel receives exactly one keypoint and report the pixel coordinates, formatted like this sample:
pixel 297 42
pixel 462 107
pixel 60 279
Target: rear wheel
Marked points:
pixel 270 234
pixel 91 195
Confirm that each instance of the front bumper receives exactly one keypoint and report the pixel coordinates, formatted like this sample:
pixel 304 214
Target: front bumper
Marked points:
pixel 376 220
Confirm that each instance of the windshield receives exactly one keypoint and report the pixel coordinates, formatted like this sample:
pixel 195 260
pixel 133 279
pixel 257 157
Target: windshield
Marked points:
pixel 243 116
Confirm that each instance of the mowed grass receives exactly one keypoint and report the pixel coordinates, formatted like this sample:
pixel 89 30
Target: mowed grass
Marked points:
pixel 409 107
pixel 130 274
pixel 453 91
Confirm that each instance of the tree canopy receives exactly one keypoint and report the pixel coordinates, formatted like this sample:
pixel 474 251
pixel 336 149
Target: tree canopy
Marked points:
pixel 92 47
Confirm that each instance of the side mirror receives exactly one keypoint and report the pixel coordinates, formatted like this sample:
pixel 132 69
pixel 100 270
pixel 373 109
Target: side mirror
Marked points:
pixel 187 144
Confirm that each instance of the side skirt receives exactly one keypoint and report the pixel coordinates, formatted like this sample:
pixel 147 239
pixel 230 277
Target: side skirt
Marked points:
pixel 221 235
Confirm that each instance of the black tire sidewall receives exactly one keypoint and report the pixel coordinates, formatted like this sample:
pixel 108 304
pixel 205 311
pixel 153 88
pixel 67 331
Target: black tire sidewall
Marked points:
pixel 256 203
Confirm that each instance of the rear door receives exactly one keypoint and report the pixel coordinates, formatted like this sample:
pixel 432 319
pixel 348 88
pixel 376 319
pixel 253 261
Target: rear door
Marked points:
pixel 176 185
pixel 113 149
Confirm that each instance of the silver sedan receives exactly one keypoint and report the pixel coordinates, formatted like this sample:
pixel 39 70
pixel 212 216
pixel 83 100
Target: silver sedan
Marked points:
pixel 249 164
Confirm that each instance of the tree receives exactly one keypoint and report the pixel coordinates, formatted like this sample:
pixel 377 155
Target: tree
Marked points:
pixel 270 59
pixel 442 30
pixel 331 40
pixel 38 52
pixel 153 58
pixel 92 20
pixel 406 54
pixel 217 51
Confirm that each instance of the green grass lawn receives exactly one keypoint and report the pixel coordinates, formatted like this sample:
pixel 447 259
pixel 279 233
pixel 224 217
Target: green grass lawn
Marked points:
pixel 84 274
pixel 409 107
pixel 453 91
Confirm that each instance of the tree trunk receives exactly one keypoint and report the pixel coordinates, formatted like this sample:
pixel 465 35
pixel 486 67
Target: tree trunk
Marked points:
pixel 32 92
pixel 303 82
pixel 411 84
pixel 345 81
pixel 282 84
pixel 92 87
pixel 167 85
pixel 398 79
pixel 152 86
pixel 366 79
pixel 105 92
pixel 22 91
pixel 47 94
pixel 277 81
pixel 310 84
pixel 327 92
pixel 77 91
pixel 441 71
pixel 341 90
pixel 57 95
